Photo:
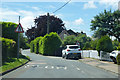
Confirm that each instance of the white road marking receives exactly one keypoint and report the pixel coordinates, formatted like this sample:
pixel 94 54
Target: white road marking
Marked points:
pixel 25 66
pixel 46 66
pixel 57 67
pixel 37 65
pixel 65 68
pixel 28 65
pixel 78 68
pixel 52 67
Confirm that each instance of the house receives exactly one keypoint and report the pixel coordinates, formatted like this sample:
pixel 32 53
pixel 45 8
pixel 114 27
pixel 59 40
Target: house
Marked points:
pixel 64 34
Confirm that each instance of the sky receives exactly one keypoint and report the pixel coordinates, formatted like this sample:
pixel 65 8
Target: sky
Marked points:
pixel 76 15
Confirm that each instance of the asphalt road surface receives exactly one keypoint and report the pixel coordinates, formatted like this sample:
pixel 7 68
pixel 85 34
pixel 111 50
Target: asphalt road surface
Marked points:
pixel 56 67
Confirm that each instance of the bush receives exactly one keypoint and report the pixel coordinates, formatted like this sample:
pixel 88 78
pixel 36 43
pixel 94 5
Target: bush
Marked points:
pixel 104 44
pixel 50 43
pixel 118 59
pixel 36 44
pixel 32 46
pixel 8 47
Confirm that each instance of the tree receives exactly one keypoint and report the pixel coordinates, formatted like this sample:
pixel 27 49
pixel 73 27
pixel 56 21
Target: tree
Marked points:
pixel 104 44
pixel 94 44
pixel 69 40
pixel 81 38
pixel 55 25
pixel 106 23
pixel 115 44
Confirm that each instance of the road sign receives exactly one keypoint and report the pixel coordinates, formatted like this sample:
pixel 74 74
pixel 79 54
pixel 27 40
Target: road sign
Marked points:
pixel 19 29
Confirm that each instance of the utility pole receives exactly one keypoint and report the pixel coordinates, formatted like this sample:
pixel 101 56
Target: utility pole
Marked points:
pixel 18 42
pixel 48 23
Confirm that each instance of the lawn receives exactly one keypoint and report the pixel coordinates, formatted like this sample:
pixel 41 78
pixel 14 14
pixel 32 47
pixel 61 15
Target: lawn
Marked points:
pixel 13 62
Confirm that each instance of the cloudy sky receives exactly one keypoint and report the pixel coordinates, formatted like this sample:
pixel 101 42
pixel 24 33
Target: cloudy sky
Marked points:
pixel 76 15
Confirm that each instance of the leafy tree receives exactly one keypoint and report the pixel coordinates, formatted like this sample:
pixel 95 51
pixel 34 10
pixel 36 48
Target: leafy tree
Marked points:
pixel 81 38
pixel 118 48
pixel 94 44
pixel 55 25
pixel 106 23
pixel 104 44
pixel 69 40
pixel 24 42
pixel 115 44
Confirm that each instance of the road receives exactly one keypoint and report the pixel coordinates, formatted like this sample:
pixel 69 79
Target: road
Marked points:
pixel 56 67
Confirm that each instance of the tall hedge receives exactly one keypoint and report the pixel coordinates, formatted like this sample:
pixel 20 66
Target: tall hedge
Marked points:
pixel 36 44
pixel 104 44
pixel 41 46
pixel 8 31
pixel 32 46
pixel 8 47
pixel 50 43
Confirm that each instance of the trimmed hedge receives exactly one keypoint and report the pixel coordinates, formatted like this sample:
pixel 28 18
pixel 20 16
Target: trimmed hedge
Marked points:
pixel 46 45
pixel 50 43
pixel 8 47
pixel 36 44
pixel 32 46
pixel 118 59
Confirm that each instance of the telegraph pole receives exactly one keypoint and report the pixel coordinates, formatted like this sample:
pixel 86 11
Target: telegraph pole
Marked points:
pixel 18 42
pixel 48 23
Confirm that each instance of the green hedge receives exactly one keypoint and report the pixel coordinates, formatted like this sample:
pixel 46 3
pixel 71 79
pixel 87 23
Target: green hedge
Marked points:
pixel 50 43
pixel 36 44
pixel 41 46
pixel 46 45
pixel 8 47
pixel 118 59
pixel 8 31
pixel 32 46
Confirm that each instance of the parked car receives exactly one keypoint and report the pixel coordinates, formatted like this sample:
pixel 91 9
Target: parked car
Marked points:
pixel 113 56
pixel 71 51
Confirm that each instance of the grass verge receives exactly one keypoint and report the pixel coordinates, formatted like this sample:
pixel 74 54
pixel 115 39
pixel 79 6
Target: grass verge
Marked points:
pixel 13 62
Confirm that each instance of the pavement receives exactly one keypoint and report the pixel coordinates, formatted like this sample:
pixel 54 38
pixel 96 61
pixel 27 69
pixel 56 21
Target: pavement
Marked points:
pixel 106 65
pixel 57 67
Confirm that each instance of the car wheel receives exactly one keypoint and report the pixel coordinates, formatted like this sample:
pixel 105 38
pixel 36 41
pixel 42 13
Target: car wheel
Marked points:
pixel 63 56
pixel 114 60
pixel 66 57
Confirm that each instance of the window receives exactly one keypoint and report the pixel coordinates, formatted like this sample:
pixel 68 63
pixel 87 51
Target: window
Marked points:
pixel 73 47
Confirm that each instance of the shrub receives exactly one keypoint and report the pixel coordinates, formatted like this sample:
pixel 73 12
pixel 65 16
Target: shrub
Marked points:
pixel 104 44
pixel 36 44
pixel 118 59
pixel 32 46
pixel 50 43
pixel 8 48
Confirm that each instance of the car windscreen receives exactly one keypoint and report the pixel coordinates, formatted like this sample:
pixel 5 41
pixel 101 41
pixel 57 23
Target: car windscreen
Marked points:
pixel 73 47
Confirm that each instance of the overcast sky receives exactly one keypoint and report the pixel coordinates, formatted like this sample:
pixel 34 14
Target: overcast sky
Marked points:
pixel 76 15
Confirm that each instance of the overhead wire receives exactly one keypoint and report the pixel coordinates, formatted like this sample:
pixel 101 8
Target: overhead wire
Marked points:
pixel 62 6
